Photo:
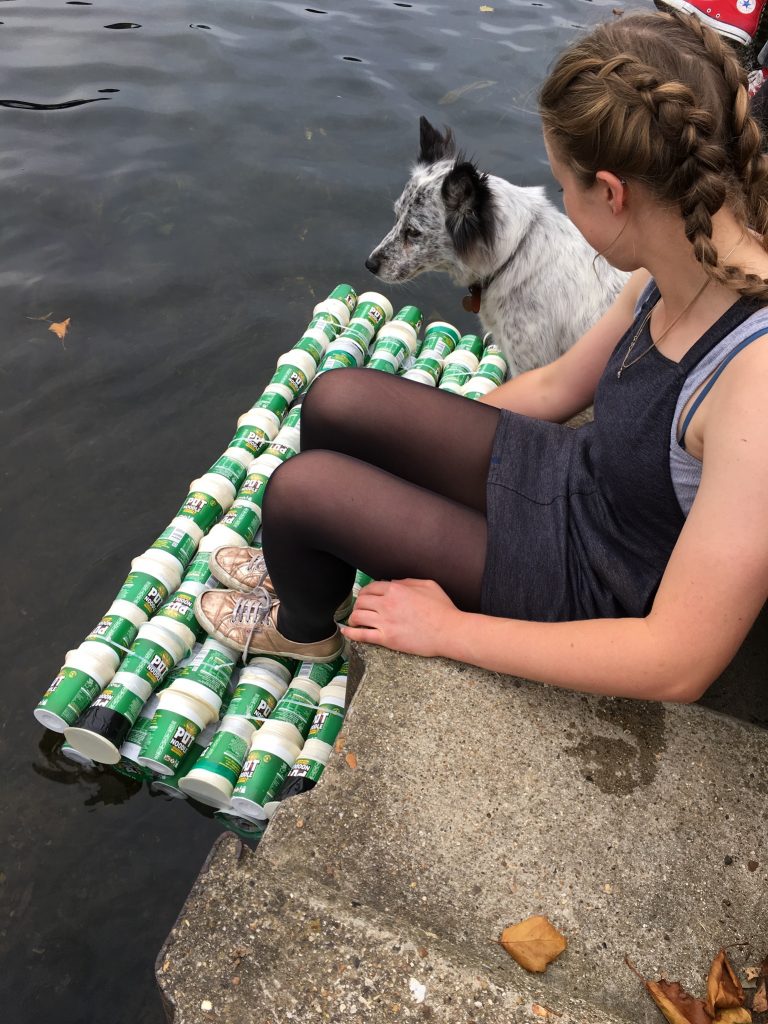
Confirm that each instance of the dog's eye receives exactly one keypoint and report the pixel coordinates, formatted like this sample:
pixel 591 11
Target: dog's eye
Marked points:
pixel 410 233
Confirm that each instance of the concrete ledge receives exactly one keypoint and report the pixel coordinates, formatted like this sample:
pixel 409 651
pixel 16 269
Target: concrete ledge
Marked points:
pixel 477 801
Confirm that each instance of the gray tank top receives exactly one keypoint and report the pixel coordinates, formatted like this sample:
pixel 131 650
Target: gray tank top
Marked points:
pixel 684 467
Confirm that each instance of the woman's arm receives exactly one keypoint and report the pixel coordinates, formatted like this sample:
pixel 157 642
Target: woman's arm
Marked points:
pixel 565 387
pixel 714 586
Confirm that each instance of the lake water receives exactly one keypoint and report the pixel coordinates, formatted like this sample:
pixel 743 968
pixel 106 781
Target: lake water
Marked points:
pixel 183 181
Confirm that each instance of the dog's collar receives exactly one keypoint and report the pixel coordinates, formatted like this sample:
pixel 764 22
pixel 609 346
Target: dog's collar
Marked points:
pixel 472 301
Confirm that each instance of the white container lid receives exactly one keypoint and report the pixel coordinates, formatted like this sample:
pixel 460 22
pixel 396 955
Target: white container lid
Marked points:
pixel 218 487
pixel 85 661
pixel 333 694
pixel 335 307
pixel 265 419
pixel 244 503
pixel 183 704
pixel 379 299
pixel 206 787
pixel 442 325
pixel 238 725
pixel 239 455
pixel 174 570
pixel 221 536
pixel 350 347
pixel 419 375
pixel 478 385
pixel 307 686
pixel 387 357
pixel 279 389
pixel 400 329
pixel 130 681
pixel 286 730
pixel 103 653
pixel 316 750
pixel 189 526
pixel 251 676
pixel 199 693
pixel 165 573
pixel 280 746
pixel 264 464
pixel 179 630
pixel 161 785
pixel 129 611
pixel 302 360
pixel 467 360
pixel 290 437
pixel 161 634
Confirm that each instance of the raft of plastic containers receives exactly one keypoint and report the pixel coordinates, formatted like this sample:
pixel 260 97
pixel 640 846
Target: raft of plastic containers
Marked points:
pixel 147 692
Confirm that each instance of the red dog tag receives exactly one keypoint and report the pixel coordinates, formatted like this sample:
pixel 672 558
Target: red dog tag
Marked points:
pixel 471 302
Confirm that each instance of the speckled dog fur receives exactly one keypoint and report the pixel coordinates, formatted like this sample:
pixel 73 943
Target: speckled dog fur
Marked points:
pixel 547 287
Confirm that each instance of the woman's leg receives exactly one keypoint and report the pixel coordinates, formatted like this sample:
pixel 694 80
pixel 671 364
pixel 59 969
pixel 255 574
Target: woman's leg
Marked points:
pixel 440 441
pixel 327 514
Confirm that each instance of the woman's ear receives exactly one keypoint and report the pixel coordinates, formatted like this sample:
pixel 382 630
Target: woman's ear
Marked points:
pixel 615 190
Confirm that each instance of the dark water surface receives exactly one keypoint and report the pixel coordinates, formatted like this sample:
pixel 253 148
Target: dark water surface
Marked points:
pixel 184 181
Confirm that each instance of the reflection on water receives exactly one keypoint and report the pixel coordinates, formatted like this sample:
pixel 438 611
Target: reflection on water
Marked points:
pixel 186 228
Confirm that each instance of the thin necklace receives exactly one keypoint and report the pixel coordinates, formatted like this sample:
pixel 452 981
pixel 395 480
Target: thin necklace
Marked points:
pixel 665 332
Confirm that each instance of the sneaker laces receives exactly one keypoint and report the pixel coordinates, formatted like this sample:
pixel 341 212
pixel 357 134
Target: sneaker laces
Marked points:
pixel 257 564
pixel 252 611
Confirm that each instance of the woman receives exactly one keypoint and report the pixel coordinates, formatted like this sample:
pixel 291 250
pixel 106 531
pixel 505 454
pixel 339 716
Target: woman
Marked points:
pixel 628 557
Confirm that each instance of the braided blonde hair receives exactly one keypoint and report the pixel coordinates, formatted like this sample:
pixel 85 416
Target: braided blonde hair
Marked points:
pixel 662 99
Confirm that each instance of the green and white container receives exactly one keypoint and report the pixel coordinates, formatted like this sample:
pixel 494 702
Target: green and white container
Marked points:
pixel 169 784
pixel 200 507
pixel 255 483
pixel 177 615
pixel 256 695
pixel 180 539
pixel 242 520
pixel 113 635
pixel 213 777
pixel 426 370
pixel 131 747
pixel 255 429
pixel 153 654
pixel 80 679
pixel 199 571
pixel 103 727
pixel 326 725
pixel 266 766
pixel 207 678
pixel 219 489
pixel 298 705
pixel 231 466
pixel 457 369
pixel 148 584
pixel 304 774
pixel 440 339
pixel 172 731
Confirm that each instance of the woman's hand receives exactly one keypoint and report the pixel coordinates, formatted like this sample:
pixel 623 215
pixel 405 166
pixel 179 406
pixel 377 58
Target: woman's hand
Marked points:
pixel 413 616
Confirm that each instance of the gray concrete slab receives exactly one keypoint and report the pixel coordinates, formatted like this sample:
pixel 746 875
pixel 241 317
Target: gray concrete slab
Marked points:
pixel 478 800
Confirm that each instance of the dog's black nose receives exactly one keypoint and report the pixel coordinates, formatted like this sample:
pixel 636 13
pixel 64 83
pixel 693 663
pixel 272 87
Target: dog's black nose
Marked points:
pixel 373 265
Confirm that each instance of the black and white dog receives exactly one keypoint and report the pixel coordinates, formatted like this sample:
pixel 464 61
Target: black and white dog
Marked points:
pixel 534 280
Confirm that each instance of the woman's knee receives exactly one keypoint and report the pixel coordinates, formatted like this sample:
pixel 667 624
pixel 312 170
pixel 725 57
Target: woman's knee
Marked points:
pixel 297 485
pixel 324 408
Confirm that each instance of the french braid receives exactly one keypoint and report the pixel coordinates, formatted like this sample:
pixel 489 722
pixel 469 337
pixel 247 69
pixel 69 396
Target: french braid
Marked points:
pixel 662 99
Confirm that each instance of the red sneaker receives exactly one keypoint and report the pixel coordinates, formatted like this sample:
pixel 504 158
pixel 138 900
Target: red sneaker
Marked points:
pixel 736 19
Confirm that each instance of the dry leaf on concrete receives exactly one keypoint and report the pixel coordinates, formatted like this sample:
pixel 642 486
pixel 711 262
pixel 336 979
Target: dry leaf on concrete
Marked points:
pixel 60 329
pixel 760 998
pixel 351 759
pixel 677 1005
pixel 533 943
pixel 724 989
pixel 739 1015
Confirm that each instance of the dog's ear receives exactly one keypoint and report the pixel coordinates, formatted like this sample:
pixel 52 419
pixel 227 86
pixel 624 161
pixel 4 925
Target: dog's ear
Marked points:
pixel 468 207
pixel 433 145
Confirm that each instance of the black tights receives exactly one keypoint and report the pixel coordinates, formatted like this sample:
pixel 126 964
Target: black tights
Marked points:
pixel 391 480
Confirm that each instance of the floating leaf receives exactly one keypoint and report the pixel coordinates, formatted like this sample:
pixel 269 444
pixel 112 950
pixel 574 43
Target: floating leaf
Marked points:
pixel 456 94
pixel 724 989
pixel 533 943
pixel 760 1000
pixel 485 8
pixel 740 1015
pixel 60 329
